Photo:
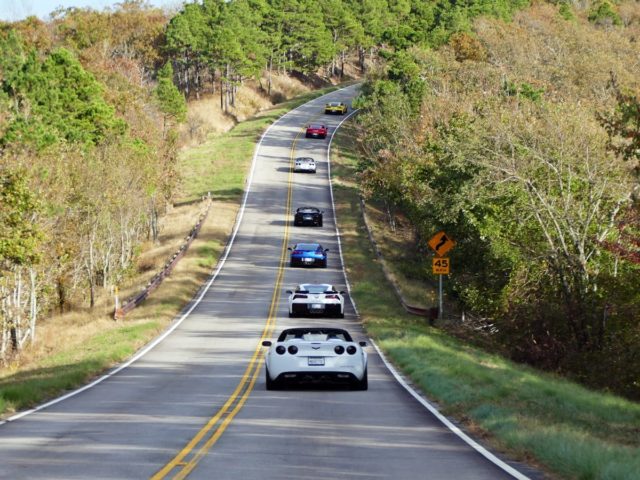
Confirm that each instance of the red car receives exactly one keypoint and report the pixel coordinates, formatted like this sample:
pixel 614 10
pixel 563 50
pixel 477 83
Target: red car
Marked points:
pixel 316 130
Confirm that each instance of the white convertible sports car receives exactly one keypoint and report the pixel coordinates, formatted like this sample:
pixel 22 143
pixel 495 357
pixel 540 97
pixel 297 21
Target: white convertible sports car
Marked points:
pixel 316 299
pixel 304 164
pixel 315 354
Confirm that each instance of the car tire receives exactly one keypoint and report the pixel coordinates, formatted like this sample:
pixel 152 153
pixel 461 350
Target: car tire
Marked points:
pixel 292 315
pixel 324 263
pixel 362 384
pixel 320 223
pixel 306 135
pixel 340 315
pixel 271 384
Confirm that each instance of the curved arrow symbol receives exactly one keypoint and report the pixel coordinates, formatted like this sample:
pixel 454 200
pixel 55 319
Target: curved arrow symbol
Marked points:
pixel 443 240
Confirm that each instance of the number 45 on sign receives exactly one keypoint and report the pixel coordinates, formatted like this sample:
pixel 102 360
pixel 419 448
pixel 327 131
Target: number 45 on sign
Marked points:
pixel 440 265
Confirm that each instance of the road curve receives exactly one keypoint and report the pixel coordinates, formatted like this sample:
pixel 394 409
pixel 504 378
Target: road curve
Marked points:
pixel 196 405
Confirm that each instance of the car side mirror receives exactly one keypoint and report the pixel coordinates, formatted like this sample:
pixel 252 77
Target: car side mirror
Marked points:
pixel 289 248
pixel 362 344
pixel 267 343
pixel 326 249
pixel 342 292
pixel 289 292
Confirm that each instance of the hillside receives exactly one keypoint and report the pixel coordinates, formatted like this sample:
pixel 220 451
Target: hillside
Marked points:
pixel 519 139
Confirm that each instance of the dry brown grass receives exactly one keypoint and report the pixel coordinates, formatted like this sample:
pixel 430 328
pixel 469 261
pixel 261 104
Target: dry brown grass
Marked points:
pixel 205 116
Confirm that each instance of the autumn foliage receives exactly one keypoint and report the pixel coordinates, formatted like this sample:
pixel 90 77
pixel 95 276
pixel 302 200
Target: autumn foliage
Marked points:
pixel 522 149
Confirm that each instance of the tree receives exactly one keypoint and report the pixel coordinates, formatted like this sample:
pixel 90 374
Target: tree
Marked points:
pixel 171 102
pixel 20 241
pixel 623 124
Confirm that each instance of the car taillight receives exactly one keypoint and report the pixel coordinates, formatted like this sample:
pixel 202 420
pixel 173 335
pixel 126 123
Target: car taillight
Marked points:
pixel 335 297
pixel 293 349
pixel 299 296
pixel 339 349
pixel 351 350
pixel 280 350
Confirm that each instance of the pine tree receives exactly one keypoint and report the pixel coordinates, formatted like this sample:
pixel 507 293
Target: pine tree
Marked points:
pixel 170 101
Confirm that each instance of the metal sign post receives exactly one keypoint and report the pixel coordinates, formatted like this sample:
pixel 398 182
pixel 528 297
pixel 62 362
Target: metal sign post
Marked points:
pixel 440 312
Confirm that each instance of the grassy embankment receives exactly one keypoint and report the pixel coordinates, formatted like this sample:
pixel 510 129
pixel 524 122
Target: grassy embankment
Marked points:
pixel 573 432
pixel 91 342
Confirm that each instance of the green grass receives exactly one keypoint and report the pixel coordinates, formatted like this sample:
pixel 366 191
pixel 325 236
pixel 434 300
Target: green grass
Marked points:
pixel 573 432
pixel 219 166
pixel 68 369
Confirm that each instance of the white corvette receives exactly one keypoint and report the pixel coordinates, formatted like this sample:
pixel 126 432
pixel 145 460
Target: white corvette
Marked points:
pixel 305 164
pixel 316 299
pixel 315 354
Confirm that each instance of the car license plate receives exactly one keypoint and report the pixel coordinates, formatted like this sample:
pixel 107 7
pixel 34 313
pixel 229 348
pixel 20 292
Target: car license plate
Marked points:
pixel 317 306
pixel 316 361
pixel 307 260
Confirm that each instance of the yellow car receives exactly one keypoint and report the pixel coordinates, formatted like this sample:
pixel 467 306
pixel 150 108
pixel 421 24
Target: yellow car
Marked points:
pixel 335 107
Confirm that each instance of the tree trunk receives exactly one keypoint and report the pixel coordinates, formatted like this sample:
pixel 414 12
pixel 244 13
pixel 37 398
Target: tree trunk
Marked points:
pixel 269 75
pixel 62 294
pixel 221 94
pixel 33 304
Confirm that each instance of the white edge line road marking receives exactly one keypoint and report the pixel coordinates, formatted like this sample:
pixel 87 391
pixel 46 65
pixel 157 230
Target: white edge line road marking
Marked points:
pixel 425 403
pixel 434 411
pixel 177 323
pixel 333 207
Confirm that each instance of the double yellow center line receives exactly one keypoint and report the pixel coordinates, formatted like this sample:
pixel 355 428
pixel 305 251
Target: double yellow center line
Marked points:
pixel 189 457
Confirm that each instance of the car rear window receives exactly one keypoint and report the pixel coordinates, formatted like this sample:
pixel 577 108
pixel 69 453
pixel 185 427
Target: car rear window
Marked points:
pixel 315 126
pixel 315 334
pixel 316 288
pixel 307 246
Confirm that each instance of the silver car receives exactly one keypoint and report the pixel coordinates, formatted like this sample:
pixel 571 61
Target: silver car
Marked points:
pixel 316 299
pixel 304 165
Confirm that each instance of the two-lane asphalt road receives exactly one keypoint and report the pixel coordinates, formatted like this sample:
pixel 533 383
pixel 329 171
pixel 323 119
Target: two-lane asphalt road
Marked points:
pixel 195 405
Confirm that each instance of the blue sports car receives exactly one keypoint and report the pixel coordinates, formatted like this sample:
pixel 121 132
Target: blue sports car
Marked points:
pixel 307 254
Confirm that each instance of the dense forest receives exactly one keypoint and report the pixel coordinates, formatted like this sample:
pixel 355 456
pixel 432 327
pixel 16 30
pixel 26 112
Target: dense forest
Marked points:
pixel 514 128
pixel 521 140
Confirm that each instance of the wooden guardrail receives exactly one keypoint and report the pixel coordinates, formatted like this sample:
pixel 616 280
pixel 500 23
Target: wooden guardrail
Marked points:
pixel 154 283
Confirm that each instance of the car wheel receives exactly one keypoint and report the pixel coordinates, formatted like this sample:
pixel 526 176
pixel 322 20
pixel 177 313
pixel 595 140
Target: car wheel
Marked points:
pixel 307 135
pixel 340 315
pixel 362 384
pixel 271 384
pixel 324 263
pixel 320 223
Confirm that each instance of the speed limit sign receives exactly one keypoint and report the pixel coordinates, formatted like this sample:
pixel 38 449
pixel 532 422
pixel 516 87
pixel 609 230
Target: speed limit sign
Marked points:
pixel 440 265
